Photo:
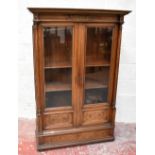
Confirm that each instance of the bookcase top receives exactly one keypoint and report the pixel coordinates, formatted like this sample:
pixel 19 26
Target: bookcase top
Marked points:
pixel 38 10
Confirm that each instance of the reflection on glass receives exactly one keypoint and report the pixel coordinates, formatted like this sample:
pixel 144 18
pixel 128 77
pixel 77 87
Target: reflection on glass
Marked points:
pixel 58 71
pixel 98 52
pixel 98 46
pixel 58 46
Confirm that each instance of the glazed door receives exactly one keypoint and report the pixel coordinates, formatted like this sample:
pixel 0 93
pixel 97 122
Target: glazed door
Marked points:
pixel 57 59
pixel 76 74
pixel 98 74
pixel 58 66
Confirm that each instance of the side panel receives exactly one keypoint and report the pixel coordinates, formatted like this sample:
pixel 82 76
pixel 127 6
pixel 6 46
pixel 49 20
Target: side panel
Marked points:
pixel 37 76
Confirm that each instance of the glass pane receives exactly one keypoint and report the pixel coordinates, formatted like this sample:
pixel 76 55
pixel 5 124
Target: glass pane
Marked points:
pixel 58 46
pixel 58 79
pixel 96 95
pixel 98 52
pixel 57 68
pixel 97 77
pixel 98 46
pixel 58 99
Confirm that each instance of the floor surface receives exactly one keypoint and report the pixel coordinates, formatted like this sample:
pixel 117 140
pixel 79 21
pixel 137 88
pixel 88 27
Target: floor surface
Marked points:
pixel 124 143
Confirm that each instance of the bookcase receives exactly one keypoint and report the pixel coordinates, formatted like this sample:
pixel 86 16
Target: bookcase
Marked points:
pixel 76 60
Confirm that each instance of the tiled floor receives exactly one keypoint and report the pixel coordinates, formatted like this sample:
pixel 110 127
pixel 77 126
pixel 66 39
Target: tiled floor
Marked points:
pixel 124 143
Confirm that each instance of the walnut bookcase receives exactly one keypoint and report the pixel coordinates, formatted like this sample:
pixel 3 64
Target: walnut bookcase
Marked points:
pixel 76 60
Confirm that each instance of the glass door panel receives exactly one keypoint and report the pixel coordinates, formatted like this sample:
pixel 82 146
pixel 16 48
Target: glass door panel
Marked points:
pixel 98 53
pixel 58 66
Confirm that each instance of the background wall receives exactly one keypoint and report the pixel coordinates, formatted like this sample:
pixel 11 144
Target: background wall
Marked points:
pixel 126 91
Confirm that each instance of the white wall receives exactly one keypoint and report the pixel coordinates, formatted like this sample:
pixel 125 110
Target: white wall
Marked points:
pixel 126 95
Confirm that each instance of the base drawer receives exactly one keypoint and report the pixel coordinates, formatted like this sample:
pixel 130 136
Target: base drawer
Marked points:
pixel 69 139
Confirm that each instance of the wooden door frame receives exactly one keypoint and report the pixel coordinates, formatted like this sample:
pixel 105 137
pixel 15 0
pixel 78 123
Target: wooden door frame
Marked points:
pixel 41 82
pixel 109 104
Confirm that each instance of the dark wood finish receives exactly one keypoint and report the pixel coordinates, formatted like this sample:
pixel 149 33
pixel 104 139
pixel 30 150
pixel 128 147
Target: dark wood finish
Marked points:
pixel 76 61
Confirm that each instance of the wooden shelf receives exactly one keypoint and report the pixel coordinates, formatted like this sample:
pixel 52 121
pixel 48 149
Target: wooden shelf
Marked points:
pixel 94 63
pixel 60 86
pixel 58 65
pixel 98 79
pixel 68 65
pixel 57 86
pixel 91 84
pixel 61 81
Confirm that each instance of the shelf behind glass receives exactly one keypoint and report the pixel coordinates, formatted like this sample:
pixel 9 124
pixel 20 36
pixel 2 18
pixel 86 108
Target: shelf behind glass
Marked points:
pixel 99 62
pixel 57 64
pixel 63 86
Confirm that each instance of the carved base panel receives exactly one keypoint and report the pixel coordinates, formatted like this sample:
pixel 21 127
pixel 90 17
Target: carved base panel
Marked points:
pixel 68 139
pixel 96 116
pixel 59 120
